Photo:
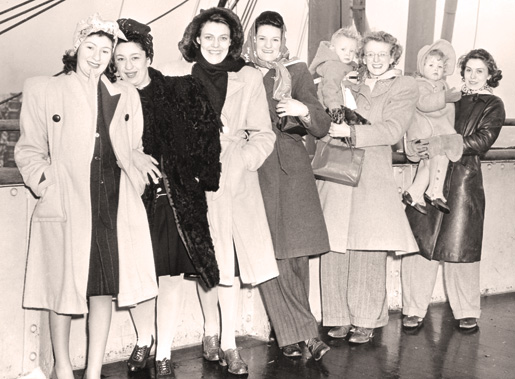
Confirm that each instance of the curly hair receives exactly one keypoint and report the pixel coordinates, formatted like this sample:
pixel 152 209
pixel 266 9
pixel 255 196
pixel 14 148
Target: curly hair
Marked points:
pixel 189 46
pixel 488 60
pixel 395 50
pixel 140 40
pixel 70 60
pixel 270 18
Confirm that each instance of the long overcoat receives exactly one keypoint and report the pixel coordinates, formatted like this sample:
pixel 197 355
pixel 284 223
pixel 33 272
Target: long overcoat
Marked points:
pixel 236 212
pixel 58 124
pixel 458 236
pixel 286 178
pixel 371 215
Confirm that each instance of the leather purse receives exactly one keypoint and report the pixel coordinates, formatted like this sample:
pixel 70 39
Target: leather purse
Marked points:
pixel 337 161
pixel 291 125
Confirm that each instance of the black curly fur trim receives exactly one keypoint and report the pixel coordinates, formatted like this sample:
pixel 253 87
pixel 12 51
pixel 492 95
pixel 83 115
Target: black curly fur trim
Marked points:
pixel 182 131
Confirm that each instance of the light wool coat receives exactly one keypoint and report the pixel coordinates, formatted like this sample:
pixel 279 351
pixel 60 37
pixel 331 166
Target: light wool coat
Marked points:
pixel 371 215
pixel 236 211
pixel 58 124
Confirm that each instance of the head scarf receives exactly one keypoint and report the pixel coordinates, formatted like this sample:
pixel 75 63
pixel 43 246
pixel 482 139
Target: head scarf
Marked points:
pixel 93 24
pixel 282 78
pixel 131 28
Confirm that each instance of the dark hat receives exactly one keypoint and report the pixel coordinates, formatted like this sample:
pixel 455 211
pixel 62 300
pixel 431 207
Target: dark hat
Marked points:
pixel 137 32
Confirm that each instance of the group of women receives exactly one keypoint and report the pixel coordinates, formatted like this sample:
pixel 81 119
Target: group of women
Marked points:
pixel 219 160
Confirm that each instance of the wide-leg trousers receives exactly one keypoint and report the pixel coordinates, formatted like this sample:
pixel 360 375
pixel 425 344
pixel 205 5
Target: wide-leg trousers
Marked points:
pixel 286 299
pixel 461 280
pixel 354 288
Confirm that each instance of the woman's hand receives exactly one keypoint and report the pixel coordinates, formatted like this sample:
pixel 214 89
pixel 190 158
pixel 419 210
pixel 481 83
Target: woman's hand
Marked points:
pixel 291 107
pixel 339 130
pixel 147 165
pixel 352 77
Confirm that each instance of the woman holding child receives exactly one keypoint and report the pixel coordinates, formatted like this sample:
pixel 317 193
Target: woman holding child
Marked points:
pixel 288 186
pixel 367 221
pixel 456 238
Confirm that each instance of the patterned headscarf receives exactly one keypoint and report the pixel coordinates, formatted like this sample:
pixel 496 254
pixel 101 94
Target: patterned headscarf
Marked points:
pixel 93 24
pixel 132 29
pixel 282 78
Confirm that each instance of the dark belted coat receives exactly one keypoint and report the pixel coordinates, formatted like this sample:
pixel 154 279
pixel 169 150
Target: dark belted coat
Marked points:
pixel 458 236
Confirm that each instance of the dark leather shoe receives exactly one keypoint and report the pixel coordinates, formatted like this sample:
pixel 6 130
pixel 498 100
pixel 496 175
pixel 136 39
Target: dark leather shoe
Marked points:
pixel 210 347
pixel 408 200
pixel 164 369
pixel 138 359
pixel 412 321
pixel 468 323
pixel 232 358
pixel 438 204
pixel 339 331
pixel 317 348
pixel 362 335
pixel 292 351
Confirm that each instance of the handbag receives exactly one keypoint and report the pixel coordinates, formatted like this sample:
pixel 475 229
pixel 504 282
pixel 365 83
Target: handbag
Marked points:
pixel 291 125
pixel 337 161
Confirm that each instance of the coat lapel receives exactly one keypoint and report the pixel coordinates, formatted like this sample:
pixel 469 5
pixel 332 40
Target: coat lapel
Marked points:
pixel 234 85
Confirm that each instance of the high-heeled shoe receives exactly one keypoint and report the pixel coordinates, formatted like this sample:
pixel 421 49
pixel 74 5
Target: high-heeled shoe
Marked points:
pixel 210 347
pixel 232 358
pixel 138 359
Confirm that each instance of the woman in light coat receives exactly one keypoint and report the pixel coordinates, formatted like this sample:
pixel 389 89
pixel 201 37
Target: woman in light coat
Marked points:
pixel 236 213
pixel 89 238
pixel 367 221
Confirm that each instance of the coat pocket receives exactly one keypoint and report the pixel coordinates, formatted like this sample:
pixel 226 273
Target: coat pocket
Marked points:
pixel 50 205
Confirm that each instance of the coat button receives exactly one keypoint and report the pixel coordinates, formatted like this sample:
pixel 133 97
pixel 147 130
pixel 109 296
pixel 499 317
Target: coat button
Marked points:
pixel 56 118
pixel 127 117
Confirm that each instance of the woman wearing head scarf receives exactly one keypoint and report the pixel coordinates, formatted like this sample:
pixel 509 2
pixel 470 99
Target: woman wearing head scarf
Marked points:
pixel 288 185
pixel 236 213
pixel 89 240
pixel 182 133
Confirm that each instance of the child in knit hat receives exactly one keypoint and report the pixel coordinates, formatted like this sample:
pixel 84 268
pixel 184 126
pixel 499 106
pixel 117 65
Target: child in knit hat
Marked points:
pixel 434 117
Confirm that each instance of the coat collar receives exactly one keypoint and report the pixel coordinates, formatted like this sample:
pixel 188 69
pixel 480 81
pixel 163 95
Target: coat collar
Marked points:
pixel 234 83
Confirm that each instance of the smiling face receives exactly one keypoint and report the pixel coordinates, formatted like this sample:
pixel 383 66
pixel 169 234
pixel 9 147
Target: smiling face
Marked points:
pixel 345 48
pixel 475 74
pixel 132 64
pixel 377 57
pixel 268 42
pixel 214 41
pixel 93 55
pixel 433 68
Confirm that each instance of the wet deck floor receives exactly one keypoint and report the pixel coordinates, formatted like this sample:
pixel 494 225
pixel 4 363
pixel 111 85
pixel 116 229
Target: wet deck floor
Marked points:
pixel 436 350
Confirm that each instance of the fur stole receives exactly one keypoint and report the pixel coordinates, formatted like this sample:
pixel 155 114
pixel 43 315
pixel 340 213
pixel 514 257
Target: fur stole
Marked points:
pixel 182 131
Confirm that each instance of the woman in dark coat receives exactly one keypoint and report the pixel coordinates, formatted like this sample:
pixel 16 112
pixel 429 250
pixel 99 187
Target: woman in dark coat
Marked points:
pixel 288 185
pixel 456 238
pixel 181 134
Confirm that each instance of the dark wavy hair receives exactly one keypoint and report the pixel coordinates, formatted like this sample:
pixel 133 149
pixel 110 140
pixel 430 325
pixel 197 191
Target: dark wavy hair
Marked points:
pixel 188 44
pixel 486 57
pixel 270 18
pixel 141 41
pixel 70 60
pixel 396 48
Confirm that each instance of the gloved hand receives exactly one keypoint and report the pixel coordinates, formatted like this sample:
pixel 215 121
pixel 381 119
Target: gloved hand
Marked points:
pixel 452 95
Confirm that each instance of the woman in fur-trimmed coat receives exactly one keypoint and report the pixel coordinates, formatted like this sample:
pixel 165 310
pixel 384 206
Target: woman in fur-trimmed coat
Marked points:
pixel 182 136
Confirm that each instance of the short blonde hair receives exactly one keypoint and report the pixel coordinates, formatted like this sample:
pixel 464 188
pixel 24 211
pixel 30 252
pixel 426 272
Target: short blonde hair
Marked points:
pixel 348 32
